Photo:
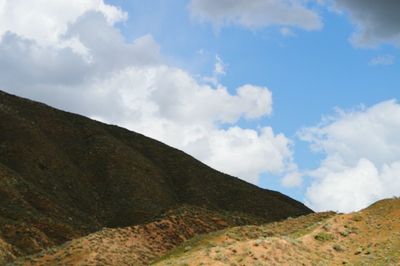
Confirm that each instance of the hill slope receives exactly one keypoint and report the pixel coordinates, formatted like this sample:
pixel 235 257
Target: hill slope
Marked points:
pixel 368 237
pixel 63 176
pixel 140 244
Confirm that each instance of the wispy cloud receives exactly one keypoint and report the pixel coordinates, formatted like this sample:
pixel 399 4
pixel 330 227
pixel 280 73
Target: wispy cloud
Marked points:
pixel 287 32
pixel 384 60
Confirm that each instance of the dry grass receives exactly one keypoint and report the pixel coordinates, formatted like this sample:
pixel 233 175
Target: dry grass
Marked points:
pixel 369 237
pixel 141 244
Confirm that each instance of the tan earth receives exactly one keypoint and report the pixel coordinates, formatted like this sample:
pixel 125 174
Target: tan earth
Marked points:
pixel 141 244
pixel 368 237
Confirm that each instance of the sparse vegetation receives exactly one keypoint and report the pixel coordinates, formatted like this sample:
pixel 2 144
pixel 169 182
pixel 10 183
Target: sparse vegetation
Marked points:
pixel 322 236
pixel 318 241
pixel 356 217
pixel 338 248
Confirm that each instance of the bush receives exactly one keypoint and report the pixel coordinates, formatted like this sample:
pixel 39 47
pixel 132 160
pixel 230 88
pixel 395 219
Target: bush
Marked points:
pixel 345 232
pixel 338 248
pixel 323 237
pixel 356 218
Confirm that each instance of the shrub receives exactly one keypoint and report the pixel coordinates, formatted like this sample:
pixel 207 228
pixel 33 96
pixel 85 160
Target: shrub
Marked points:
pixel 356 217
pixel 327 226
pixel 322 236
pixel 345 232
pixel 338 248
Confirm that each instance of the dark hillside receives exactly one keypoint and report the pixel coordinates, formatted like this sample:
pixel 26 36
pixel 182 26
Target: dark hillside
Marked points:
pixel 63 175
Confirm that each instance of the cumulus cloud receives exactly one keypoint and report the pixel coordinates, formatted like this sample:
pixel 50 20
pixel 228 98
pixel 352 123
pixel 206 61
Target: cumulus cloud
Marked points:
pixel 256 13
pixel 25 63
pixel 80 62
pixel 376 21
pixel 230 147
pixel 173 95
pixel 45 21
pixel 362 160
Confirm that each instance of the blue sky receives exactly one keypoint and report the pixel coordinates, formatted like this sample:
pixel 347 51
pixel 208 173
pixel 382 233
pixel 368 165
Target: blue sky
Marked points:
pixel 321 68
pixel 309 74
pixel 331 67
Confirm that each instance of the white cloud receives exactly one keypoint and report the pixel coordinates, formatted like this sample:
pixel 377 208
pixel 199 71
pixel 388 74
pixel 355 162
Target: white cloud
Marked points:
pixel 45 21
pixel 362 162
pixel 382 60
pixel 247 153
pixel 219 70
pixel 347 190
pixel 292 179
pixel 256 13
pixel 25 62
pixel 80 62
pixel 174 95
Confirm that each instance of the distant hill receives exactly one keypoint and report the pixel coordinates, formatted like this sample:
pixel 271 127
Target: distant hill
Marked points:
pixel 63 176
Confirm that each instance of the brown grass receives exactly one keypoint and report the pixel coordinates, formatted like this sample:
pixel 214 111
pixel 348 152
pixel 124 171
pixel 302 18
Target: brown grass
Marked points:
pixel 368 237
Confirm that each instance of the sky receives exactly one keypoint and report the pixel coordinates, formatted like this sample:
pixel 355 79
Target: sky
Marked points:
pixel 298 96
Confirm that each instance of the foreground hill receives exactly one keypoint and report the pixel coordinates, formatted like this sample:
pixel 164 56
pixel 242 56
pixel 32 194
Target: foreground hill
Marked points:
pixel 368 237
pixel 140 244
pixel 63 176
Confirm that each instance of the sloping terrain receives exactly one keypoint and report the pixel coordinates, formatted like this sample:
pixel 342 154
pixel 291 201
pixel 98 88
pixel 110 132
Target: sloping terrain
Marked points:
pixel 368 237
pixel 7 252
pixel 141 244
pixel 63 176
pixel 182 237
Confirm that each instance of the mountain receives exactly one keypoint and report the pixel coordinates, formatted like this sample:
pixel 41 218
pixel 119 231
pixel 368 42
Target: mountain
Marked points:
pixel 64 176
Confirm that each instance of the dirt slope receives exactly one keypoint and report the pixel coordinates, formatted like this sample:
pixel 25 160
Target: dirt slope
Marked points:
pixel 141 244
pixel 368 237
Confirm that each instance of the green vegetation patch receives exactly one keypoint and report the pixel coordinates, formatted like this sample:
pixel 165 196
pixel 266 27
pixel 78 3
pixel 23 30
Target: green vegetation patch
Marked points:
pixel 323 237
